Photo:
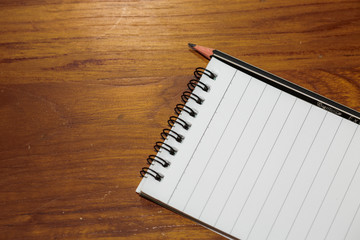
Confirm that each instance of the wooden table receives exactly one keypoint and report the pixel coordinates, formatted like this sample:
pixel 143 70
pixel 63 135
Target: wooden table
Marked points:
pixel 87 86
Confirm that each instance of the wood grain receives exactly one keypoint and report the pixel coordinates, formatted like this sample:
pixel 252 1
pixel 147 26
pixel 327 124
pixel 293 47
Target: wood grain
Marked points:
pixel 87 86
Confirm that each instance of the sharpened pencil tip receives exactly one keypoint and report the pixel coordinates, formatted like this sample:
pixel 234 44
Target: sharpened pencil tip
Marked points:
pixel 205 51
pixel 191 45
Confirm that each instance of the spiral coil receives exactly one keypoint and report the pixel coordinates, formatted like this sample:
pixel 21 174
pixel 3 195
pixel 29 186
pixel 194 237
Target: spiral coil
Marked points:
pixel 185 97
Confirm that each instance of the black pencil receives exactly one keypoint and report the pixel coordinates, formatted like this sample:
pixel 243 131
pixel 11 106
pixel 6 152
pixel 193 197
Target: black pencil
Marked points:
pixel 280 83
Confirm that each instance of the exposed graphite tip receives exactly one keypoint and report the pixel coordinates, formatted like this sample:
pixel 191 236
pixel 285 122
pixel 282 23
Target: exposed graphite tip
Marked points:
pixel 191 45
pixel 205 51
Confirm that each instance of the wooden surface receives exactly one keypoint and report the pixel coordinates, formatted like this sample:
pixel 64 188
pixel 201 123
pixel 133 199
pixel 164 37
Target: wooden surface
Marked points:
pixel 87 86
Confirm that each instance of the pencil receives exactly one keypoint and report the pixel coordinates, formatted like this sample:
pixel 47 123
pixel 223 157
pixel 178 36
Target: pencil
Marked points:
pixel 205 51
pixel 279 83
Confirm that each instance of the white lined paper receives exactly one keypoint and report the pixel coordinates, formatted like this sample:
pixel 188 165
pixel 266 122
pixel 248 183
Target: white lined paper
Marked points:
pixel 263 164
pixel 213 132
pixel 337 190
pixel 304 177
pixel 322 181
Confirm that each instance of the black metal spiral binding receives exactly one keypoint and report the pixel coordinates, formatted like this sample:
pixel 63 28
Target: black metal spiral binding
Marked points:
pixel 161 145
pixel 186 96
pixel 172 120
pixel 154 158
pixel 195 82
pixel 154 174
pixel 181 107
pixel 200 71
pixel 168 132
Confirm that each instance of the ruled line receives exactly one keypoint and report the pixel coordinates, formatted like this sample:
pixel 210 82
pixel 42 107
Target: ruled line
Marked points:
pixel 342 200
pixel 217 144
pixel 262 167
pixel 311 185
pixel 352 221
pixel 277 176
pixel 238 177
pixel 296 176
pixel 332 181
pixel 182 174
pixel 232 152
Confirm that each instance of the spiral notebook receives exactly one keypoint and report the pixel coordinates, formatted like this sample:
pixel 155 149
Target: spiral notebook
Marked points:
pixel 253 156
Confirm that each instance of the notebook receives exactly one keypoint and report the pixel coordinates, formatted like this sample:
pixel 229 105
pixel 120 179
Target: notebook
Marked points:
pixel 253 156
